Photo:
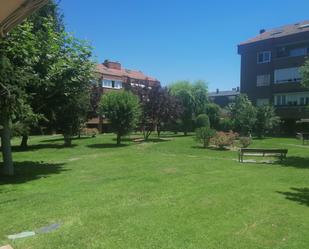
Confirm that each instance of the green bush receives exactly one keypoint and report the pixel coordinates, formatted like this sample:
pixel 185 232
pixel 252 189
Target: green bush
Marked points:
pixel 226 124
pixel 213 111
pixel 203 135
pixel 202 120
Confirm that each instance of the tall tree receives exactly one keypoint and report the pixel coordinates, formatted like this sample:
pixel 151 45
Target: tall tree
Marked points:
pixel 18 54
pixel 71 76
pixel 266 120
pixel 48 27
pixel 200 93
pixel 158 107
pixel 243 114
pixel 213 111
pixel 193 98
pixel 182 90
pixel 122 110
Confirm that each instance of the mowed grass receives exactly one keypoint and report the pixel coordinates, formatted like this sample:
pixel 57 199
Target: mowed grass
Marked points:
pixel 166 193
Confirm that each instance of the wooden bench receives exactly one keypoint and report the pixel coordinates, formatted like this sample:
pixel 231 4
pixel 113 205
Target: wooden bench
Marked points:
pixel 281 153
pixel 304 137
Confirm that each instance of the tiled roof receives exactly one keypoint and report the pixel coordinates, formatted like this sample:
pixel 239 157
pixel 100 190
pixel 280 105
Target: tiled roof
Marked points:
pixel 280 32
pixel 223 93
pixel 124 73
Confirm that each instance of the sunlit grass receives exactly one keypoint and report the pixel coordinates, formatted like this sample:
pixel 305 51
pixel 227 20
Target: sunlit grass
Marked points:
pixel 166 193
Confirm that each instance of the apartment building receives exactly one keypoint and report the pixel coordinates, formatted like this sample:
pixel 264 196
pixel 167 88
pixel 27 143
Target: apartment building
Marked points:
pixel 270 64
pixel 112 77
pixel 223 98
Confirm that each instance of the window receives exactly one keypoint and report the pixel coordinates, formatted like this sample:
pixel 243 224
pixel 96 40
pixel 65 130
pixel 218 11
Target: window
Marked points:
pixel 298 51
pixel 263 57
pixel 292 99
pixel 107 84
pixel 304 26
pixel 292 51
pixel 287 75
pixel 112 84
pixel 280 100
pixel 118 85
pixel 260 102
pixel 263 80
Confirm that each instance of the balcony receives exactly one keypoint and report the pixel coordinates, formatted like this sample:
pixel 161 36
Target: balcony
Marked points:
pixel 292 112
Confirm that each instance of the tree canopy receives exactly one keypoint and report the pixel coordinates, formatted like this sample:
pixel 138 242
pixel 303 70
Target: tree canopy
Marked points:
pixel 44 73
pixel 193 98
pixel 122 110
pixel 243 114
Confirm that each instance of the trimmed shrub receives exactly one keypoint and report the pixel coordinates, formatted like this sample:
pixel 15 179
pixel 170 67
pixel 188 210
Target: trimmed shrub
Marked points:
pixel 245 141
pixel 226 124
pixel 224 139
pixel 202 120
pixel 203 135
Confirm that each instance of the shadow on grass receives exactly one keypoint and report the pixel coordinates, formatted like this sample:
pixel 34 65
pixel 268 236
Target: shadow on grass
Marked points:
pixel 39 147
pixel 106 146
pixel 175 135
pixel 209 148
pixel 59 139
pixel 300 195
pixel 127 139
pixel 141 140
pixel 29 171
pixel 296 162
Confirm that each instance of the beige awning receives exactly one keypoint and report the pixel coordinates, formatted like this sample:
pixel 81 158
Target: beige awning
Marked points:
pixel 12 12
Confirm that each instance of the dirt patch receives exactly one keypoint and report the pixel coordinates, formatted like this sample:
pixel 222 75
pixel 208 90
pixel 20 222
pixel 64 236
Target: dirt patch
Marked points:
pixel 170 170
pixel 73 159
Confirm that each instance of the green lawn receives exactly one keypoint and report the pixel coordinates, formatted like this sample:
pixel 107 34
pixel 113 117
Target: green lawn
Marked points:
pixel 161 194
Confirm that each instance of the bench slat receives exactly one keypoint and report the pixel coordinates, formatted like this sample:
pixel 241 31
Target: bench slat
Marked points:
pixel 281 153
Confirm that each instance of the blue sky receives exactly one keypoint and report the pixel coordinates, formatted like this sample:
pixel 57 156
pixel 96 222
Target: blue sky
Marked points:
pixel 178 40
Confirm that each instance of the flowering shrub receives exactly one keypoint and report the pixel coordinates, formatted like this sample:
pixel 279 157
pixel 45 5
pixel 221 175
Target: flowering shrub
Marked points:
pixel 224 139
pixel 89 132
pixel 245 141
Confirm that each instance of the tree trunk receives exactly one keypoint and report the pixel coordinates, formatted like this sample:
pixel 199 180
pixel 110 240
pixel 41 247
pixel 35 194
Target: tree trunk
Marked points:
pixel 67 140
pixel 24 142
pixel 159 133
pixel 204 143
pixel 8 167
pixel 118 139
pixel 185 133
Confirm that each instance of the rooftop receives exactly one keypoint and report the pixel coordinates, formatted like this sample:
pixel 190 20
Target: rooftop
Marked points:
pixel 114 69
pixel 280 32
pixel 224 93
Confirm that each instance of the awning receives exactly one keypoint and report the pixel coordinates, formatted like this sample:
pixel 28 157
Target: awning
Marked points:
pixel 12 12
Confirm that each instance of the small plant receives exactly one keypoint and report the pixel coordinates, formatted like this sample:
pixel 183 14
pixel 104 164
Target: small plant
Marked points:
pixel 203 135
pixel 202 120
pixel 224 139
pixel 245 141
